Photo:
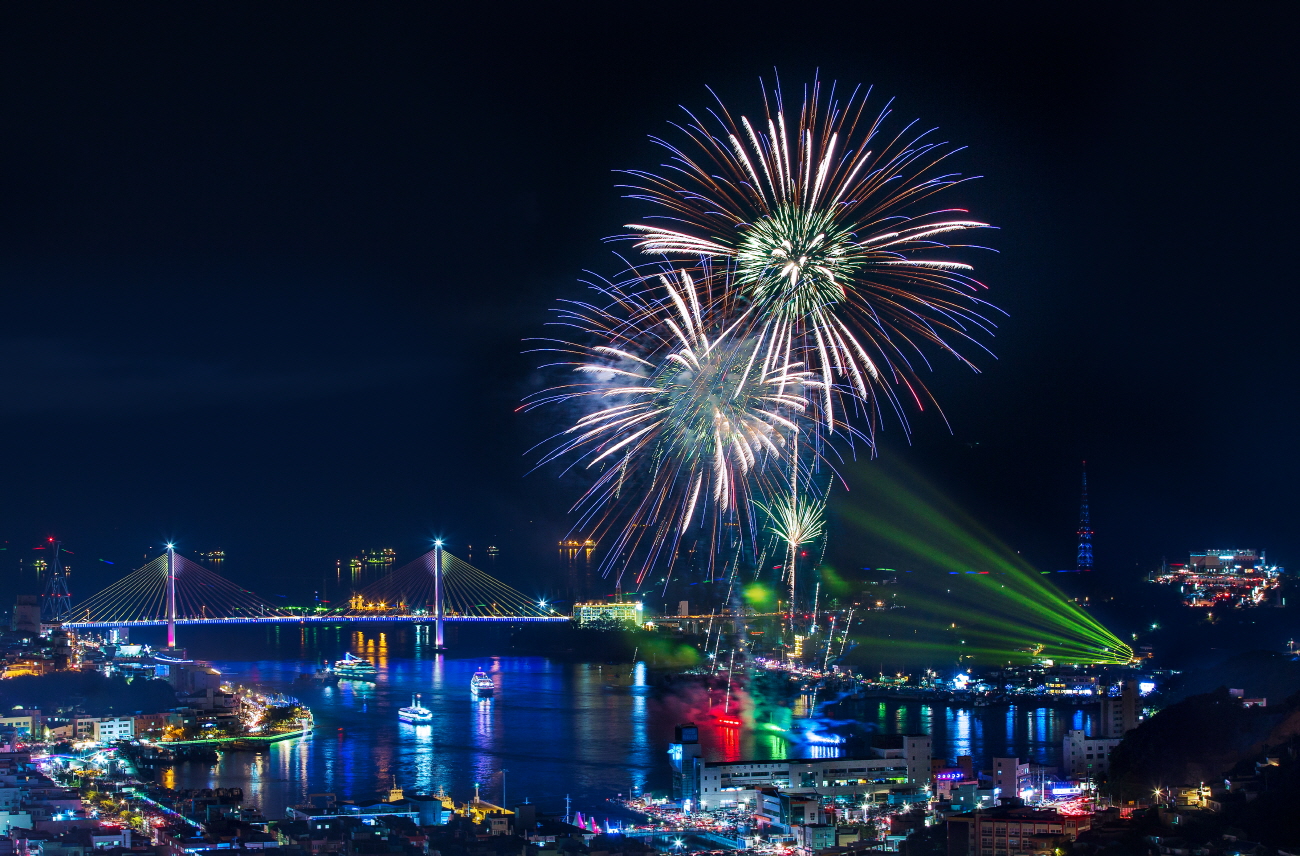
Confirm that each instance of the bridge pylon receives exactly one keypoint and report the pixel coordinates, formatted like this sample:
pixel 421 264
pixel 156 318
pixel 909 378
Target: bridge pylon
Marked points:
pixel 170 591
pixel 439 609
pixel 439 589
pixel 171 596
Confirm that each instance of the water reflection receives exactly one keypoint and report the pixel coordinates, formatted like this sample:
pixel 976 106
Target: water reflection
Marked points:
pixel 640 742
pixel 1030 733
pixel 590 730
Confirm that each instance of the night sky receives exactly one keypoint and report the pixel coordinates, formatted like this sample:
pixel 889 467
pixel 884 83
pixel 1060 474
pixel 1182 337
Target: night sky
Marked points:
pixel 266 269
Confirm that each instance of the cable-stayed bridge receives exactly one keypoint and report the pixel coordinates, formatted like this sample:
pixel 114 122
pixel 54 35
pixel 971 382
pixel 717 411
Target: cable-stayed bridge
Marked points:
pixel 436 588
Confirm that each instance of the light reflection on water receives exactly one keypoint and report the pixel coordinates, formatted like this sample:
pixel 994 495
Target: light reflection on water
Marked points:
pixel 1030 733
pixel 558 728
pixel 592 731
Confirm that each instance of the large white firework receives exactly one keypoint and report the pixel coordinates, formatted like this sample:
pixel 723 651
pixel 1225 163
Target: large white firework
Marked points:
pixel 828 225
pixel 684 414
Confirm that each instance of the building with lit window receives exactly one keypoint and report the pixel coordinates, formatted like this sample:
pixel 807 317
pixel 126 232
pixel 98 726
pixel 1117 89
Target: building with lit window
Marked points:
pixel 1086 757
pixel 900 768
pixel 600 612
pixel 1218 578
pixel 109 729
pixel 1013 829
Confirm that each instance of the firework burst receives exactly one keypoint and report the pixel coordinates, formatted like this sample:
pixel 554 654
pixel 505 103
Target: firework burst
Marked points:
pixel 795 521
pixel 685 417
pixel 827 223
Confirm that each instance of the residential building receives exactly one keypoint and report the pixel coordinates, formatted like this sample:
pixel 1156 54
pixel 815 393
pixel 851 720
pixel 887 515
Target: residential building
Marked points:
pixel 156 724
pixel 23 725
pixel 1086 757
pixel 815 837
pixel 777 811
pixel 1011 829
pixel 14 819
pixel 26 617
pixel 1119 715
pixel 1010 777
pixel 110 729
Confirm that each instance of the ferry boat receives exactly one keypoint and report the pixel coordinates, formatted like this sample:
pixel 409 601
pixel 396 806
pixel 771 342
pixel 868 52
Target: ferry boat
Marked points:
pixel 416 714
pixel 352 668
pixel 482 684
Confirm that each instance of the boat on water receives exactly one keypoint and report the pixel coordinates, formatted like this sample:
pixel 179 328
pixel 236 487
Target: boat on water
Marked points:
pixel 482 684
pixel 323 675
pixel 352 668
pixel 416 714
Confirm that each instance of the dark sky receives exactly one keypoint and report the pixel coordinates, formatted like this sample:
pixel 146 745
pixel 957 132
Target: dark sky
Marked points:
pixel 265 269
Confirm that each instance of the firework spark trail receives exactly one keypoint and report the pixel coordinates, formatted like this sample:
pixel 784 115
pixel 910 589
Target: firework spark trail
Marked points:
pixel 795 521
pixel 837 257
pixel 688 416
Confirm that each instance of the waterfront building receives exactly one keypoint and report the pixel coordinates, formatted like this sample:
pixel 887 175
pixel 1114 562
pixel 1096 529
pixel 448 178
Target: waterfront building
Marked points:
pixel 907 767
pixel 1071 684
pixel 607 613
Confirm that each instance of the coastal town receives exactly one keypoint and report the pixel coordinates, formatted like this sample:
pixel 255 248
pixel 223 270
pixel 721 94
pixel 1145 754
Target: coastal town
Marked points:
pixel 85 758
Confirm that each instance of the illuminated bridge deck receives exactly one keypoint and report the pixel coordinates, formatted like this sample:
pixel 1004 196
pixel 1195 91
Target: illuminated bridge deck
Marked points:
pixel 322 619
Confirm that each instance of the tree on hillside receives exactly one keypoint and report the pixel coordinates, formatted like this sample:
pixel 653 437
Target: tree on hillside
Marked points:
pixel 1193 741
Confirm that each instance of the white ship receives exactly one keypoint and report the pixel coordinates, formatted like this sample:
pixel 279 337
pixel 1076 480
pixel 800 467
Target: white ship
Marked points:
pixel 352 668
pixel 482 684
pixel 416 714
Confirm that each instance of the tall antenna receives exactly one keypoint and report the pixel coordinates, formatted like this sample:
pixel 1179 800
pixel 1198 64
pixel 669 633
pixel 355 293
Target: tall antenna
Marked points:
pixel 1083 561
pixel 56 601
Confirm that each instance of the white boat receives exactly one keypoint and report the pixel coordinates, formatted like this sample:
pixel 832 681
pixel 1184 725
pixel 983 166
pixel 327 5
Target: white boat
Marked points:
pixel 416 714
pixel 352 668
pixel 482 684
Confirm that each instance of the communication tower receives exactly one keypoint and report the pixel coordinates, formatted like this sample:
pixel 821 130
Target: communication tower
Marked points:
pixel 1083 561
pixel 56 600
